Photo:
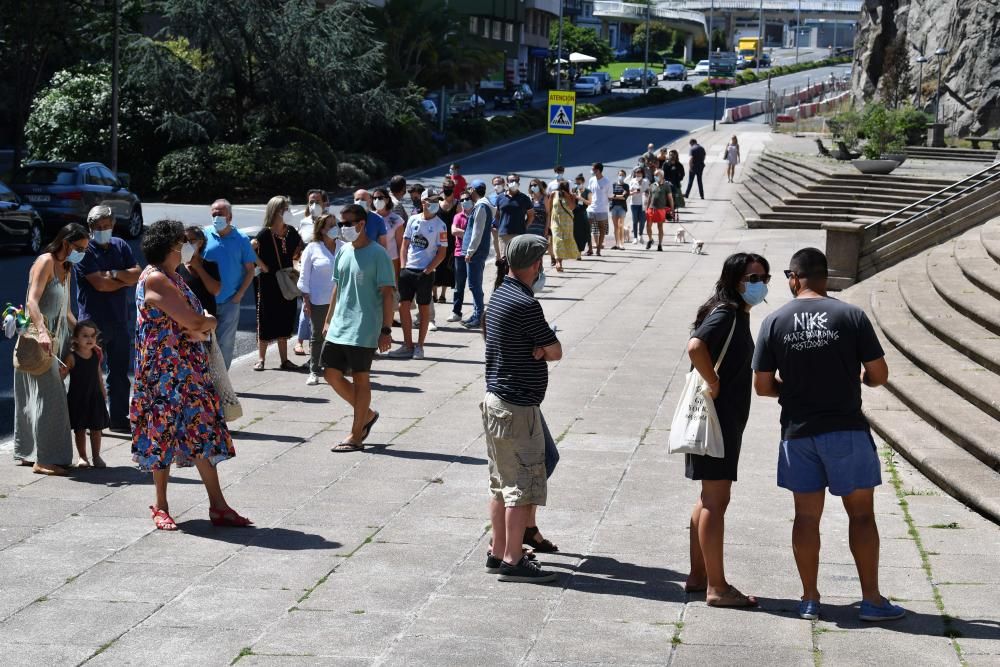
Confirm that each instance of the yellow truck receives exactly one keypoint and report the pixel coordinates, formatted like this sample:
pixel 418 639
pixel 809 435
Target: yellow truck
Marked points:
pixel 750 50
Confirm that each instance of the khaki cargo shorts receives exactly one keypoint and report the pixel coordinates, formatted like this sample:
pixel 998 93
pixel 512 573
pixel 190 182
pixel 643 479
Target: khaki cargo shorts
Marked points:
pixel 515 447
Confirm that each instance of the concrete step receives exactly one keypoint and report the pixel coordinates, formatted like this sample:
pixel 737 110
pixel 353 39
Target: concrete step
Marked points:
pixel 801 165
pixel 744 209
pixel 855 195
pixel 949 281
pixel 760 190
pixel 989 235
pixel 886 180
pixel 818 217
pixel 864 190
pixel 976 264
pixel 876 208
pixel 792 170
pixel 775 187
pixel 952 154
pixel 757 206
pixel 781 223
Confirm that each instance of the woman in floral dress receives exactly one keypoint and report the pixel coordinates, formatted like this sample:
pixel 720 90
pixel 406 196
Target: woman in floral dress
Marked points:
pixel 176 414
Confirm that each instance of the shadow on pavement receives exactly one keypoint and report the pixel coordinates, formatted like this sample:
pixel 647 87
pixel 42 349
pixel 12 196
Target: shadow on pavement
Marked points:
pixel 114 477
pixel 845 617
pixel 283 397
pixel 605 575
pixel 386 450
pixel 396 388
pixel 282 539
pixel 248 435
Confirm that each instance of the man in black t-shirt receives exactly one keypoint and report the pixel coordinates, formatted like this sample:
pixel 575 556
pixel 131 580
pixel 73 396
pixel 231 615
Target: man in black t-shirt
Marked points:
pixel 696 165
pixel 812 354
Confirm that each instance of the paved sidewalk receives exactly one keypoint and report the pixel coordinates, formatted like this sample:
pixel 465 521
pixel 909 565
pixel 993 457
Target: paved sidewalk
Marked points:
pixel 377 557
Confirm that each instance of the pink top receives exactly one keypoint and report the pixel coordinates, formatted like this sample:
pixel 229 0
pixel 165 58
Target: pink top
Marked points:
pixel 461 220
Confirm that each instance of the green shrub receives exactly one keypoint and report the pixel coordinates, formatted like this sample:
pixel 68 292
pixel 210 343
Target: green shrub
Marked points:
pixel 846 126
pixel 350 175
pixel 881 128
pixel 912 124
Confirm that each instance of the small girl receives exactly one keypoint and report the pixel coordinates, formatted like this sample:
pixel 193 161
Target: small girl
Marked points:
pixel 87 395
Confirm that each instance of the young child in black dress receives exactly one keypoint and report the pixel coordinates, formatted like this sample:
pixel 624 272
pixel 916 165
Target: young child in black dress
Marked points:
pixel 87 396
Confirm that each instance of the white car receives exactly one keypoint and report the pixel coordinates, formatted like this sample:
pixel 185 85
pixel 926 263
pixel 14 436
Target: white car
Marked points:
pixel 587 85
pixel 701 69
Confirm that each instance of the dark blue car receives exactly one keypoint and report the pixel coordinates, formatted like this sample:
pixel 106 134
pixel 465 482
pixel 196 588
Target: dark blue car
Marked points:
pixel 63 192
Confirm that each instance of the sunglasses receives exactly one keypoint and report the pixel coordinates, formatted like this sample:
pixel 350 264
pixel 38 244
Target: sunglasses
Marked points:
pixel 757 278
pixel 344 222
pixel 789 273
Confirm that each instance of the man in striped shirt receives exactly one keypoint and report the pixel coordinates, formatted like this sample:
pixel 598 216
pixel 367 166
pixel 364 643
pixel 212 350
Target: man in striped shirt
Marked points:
pixel 519 342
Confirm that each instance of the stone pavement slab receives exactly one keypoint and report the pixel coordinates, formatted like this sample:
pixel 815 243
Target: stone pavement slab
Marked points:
pixel 376 557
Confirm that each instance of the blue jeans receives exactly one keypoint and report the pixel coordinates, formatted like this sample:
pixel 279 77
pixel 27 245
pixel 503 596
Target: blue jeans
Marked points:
pixel 475 270
pixel 228 315
pixel 305 326
pixel 461 275
pixel 638 220
pixel 117 346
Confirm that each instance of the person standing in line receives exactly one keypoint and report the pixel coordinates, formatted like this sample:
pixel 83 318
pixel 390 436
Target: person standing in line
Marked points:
pixel 103 279
pixel 87 397
pixel 444 275
pixel 201 275
pixel 231 251
pixel 476 248
pixel 374 225
pixel 514 212
pixel 278 246
pixel 415 191
pixel 696 166
pixel 41 415
pixel 538 195
pixel 458 226
pixel 661 201
pixel 519 343
pixel 397 191
pixel 618 209
pixel 358 321
pixel 732 157
pixel 673 171
pixel 581 219
pixel 826 441
pixel 597 212
pixel 318 260
pixel 661 158
pixel 562 244
pixel 722 329
pixel 176 412
pixel 558 177
pixel 394 225
pixel 455 174
pixel 316 205
pixel 638 188
pixel 425 243
pixel 649 157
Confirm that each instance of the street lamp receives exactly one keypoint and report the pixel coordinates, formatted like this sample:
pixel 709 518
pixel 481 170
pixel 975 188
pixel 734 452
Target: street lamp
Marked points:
pixel 920 83
pixel 798 30
pixel 940 53
pixel 760 37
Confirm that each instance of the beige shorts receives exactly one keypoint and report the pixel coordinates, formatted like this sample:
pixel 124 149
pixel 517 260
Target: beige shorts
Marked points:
pixel 505 240
pixel 515 447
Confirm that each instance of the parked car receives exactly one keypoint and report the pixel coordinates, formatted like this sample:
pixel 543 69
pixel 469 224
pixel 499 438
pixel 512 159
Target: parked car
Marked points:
pixel 605 80
pixel 430 108
pixel 632 78
pixel 675 72
pixel 63 192
pixel 765 60
pixel 743 63
pixel 20 225
pixel 701 69
pixel 622 54
pixel 515 97
pixel 587 85
pixel 467 104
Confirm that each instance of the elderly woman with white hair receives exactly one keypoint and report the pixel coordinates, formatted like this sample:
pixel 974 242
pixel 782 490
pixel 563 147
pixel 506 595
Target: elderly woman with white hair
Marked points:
pixel 104 277
pixel 278 245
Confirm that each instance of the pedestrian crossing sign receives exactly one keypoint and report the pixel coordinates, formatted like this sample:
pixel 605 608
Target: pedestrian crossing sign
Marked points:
pixel 562 112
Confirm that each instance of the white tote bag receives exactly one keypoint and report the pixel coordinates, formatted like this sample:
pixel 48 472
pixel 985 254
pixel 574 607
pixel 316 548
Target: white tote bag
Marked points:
pixel 231 408
pixel 695 428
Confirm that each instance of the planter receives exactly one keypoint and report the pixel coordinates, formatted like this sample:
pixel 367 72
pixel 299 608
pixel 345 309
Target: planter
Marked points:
pixel 875 166
pixel 897 157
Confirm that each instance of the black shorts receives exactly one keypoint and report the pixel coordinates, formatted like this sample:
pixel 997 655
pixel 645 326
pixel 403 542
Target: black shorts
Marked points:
pixel 415 283
pixel 347 358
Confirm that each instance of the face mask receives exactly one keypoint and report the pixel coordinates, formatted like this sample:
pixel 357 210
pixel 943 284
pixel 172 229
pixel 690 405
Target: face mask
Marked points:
pixel 220 223
pixel 349 234
pixel 333 233
pixel 315 209
pixel 512 186
pixel 75 256
pixel 593 173
pixel 452 171
pixel 379 203
pixel 187 252
pixel 329 210
pixel 287 217
pixel 102 237
pixel 755 293
pixel 362 203
pixel 447 191
pixel 498 188
pixel 467 205
pixel 621 179
pixel 539 283
pixel 431 207
pixel 534 189
pixel 560 177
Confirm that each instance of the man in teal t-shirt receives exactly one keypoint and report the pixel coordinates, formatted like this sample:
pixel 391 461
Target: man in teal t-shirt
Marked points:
pixel 359 321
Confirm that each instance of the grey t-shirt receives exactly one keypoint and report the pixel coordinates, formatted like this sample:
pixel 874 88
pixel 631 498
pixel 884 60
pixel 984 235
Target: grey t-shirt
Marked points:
pixel 817 346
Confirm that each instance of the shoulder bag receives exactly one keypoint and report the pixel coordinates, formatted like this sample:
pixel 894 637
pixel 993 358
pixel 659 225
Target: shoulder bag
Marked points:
pixel 231 408
pixel 29 356
pixel 287 277
pixel 695 428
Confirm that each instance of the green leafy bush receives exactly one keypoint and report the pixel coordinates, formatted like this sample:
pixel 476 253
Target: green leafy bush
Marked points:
pixel 846 126
pixel 912 124
pixel 881 128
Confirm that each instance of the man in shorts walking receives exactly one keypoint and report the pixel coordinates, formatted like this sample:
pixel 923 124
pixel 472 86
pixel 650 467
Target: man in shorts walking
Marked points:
pixel 597 212
pixel 822 350
pixel 358 321
pixel 519 342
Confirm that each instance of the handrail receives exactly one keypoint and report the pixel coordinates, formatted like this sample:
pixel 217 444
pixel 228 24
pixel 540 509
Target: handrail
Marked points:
pixel 875 228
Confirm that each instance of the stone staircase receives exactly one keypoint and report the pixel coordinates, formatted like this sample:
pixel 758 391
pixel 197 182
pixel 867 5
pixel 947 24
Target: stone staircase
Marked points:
pixel 938 317
pixel 952 154
pixel 800 192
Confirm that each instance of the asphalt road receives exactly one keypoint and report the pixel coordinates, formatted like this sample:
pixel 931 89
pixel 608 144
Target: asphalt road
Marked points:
pixel 614 140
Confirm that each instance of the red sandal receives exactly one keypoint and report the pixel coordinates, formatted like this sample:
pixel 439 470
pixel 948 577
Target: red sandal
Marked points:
pixel 161 519
pixel 228 517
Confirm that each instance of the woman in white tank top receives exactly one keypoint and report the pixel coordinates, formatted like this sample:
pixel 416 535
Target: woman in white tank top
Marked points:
pixel 732 158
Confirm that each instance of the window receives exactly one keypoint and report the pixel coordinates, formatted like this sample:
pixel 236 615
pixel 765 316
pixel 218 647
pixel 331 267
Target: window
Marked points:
pixel 486 27
pixel 94 177
pixel 509 32
pixel 107 177
pixel 474 24
pixel 497 30
pixel 7 195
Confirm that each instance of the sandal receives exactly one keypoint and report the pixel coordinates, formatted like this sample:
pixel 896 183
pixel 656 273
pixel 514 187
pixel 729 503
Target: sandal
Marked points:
pixel 228 517
pixel 532 539
pixel 348 447
pixel 299 351
pixel 287 365
pixel 368 426
pixel 731 598
pixel 82 464
pixel 259 366
pixel 161 519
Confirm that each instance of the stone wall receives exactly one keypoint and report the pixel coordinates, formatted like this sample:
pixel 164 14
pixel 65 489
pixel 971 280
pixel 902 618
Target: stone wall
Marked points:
pixel 970 79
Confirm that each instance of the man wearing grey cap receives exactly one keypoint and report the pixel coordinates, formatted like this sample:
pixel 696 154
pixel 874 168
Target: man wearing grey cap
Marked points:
pixel 519 342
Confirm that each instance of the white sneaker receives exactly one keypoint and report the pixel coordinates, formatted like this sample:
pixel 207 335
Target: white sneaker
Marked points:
pixel 454 317
pixel 312 380
pixel 432 326
pixel 418 352
pixel 402 352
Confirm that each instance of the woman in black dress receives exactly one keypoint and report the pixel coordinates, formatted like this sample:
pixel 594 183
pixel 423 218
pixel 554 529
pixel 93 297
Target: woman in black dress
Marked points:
pixel 444 274
pixel 724 317
pixel 277 245
pixel 581 225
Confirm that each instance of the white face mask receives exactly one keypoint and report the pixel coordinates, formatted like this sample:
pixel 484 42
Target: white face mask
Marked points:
pixel 431 207
pixel 315 209
pixel 362 203
pixel 333 233
pixel 187 252
pixel 102 237
pixel 560 177
pixel 287 216
pixel 219 222
pixel 534 189
pixel 379 203
pixel 498 188
pixel 621 179
pixel 513 186
pixel 349 234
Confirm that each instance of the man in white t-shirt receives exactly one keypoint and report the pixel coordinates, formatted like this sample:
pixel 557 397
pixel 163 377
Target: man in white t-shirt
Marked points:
pixel 425 244
pixel 597 212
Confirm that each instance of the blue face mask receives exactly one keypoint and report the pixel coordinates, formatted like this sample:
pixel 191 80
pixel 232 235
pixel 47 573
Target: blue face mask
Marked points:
pixel 755 293
pixel 75 256
pixel 539 283
pixel 102 237
pixel 220 223
pixel 467 205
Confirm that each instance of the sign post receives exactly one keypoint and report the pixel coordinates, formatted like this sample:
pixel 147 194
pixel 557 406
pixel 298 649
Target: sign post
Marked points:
pixel 721 72
pixel 562 117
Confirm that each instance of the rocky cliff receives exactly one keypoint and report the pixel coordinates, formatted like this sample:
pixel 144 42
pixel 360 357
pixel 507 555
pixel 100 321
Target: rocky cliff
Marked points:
pixel 970 78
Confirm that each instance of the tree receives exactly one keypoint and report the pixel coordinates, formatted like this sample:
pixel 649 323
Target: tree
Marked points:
pixel 661 38
pixel 896 75
pixel 582 40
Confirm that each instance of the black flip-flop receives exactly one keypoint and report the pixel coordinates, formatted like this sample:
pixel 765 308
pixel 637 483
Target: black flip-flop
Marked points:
pixel 347 447
pixel 368 426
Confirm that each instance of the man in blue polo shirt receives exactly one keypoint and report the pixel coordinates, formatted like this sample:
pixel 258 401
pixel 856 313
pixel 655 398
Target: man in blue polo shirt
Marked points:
pixel 231 250
pixel 514 214
pixel 103 279
pixel 374 223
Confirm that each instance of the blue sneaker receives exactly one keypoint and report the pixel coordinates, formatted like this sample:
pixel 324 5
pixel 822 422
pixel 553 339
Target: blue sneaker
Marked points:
pixel 880 612
pixel 471 323
pixel 809 609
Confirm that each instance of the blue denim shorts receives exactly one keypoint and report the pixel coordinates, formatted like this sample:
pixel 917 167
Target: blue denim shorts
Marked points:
pixel 843 461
